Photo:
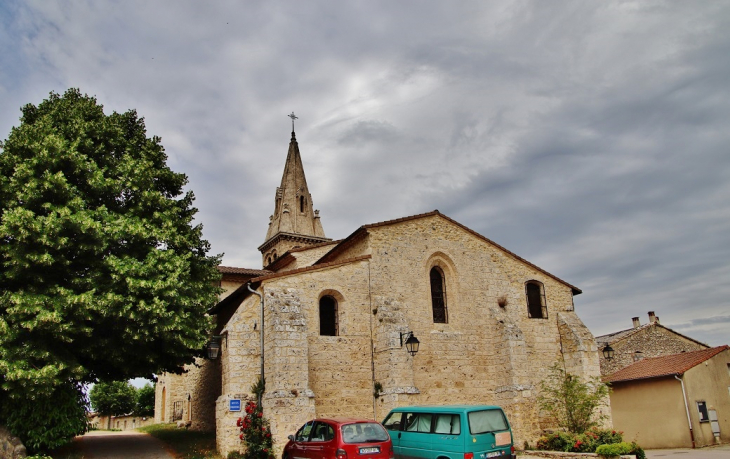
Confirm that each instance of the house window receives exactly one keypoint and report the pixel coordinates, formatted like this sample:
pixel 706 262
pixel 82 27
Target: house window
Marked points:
pixel 438 296
pixel 536 306
pixel 702 410
pixel 328 316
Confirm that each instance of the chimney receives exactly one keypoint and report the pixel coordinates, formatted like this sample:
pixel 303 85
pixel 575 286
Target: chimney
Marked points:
pixel 637 324
pixel 652 317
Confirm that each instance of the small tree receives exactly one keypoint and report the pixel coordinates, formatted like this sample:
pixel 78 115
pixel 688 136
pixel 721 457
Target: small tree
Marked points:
pixel 255 428
pixel 145 401
pixel 114 398
pixel 572 401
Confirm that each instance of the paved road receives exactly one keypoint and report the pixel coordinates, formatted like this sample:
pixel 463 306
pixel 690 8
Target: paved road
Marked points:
pixel 711 452
pixel 128 444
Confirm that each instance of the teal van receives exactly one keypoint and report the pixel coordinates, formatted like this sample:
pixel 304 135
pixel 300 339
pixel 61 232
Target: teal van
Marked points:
pixel 450 432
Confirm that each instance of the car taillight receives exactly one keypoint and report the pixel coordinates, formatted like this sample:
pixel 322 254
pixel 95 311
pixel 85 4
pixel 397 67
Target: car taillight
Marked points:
pixel 468 455
pixel 512 449
pixel 341 454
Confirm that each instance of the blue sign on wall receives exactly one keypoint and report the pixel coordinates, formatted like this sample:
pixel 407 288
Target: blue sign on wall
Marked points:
pixel 234 405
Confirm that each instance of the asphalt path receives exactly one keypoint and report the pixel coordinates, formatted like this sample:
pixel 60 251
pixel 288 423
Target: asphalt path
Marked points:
pixel 128 444
pixel 710 452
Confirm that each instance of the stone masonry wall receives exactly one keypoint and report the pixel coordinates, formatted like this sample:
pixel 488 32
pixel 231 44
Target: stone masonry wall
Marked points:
pixel 10 446
pixel 652 341
pixel 307 257
pixel 485 354
pixel 194 392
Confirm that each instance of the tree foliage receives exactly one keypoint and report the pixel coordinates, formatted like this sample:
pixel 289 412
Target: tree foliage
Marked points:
pixel 145 401
pixel 114 398
pixel 48 419
pixel 103 273
pixel 573 402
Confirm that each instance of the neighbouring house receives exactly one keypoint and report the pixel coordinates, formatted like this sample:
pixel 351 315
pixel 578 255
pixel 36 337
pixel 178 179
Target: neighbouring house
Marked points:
pixel 124 422
pixel 329 322
pixel 674 401
pixel 642 341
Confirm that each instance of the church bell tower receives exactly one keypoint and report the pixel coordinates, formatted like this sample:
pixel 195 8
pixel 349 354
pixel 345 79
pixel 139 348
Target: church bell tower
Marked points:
pixel 294 223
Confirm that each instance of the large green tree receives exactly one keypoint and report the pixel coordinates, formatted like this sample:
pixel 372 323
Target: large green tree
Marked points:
pixel 145 401
pixel 114 398
pixel 104 274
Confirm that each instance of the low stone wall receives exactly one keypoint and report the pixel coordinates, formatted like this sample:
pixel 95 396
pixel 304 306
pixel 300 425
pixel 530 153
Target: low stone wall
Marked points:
pixel 561 455
pixel 10 446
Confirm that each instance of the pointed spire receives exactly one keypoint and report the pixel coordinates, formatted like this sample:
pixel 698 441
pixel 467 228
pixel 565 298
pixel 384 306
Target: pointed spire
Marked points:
pixel 294 223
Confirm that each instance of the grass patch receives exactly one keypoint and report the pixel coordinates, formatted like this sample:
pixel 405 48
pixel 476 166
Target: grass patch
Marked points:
pixel 187 444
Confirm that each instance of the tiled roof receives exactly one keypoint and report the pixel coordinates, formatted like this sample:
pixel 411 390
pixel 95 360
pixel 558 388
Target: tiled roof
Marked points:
pixel 676 364
pixel 243 271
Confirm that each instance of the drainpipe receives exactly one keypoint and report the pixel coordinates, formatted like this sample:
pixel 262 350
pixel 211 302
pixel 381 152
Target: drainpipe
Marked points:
pixel 261 300
pixel 686 407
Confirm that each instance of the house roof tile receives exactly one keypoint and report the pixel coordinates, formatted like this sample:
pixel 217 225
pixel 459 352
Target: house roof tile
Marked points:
pixel 668 365
pixel 242 271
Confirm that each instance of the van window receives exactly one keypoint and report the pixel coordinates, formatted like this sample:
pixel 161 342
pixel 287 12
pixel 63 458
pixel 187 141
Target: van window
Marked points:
pixel 392 422
pixel 448 424
pixel 486 421
pixel 418 422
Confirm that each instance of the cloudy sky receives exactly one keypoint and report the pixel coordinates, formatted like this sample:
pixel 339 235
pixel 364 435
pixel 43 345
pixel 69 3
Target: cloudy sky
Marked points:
pixel 591 138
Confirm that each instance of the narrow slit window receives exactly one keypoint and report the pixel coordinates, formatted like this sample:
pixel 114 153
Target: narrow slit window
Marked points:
pixel 536 306
pixel 301 204
pixel 328 316
pixel 438 296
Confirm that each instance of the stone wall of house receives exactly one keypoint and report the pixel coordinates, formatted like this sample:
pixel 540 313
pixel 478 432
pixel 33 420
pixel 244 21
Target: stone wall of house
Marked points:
pixel 652 341
pixel 485 354
pixel 10 446
pixel 190 396
pixel 121 422
pixel 169 390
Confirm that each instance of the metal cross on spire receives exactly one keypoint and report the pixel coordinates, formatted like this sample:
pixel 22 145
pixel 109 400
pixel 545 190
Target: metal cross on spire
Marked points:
pixel 293 117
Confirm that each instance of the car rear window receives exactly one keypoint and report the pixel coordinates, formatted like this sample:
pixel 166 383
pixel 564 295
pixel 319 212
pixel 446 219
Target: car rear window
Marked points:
pixel 364 432
pixel 486 421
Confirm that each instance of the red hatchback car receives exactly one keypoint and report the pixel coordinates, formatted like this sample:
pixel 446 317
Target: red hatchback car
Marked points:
pixel 339 438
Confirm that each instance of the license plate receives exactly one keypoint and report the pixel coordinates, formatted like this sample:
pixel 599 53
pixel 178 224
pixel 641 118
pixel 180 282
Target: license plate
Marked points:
pixel 494 454
pixel 373 450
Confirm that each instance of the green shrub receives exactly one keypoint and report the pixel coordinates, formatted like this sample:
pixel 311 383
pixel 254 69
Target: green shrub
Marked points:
pixel 614 449
pixel 618 449
pixel 586 442
pixel 637 450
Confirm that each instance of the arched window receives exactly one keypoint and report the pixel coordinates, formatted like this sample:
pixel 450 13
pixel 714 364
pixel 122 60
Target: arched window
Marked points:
pixel 536 306
pixel 328 316
pixel 438 296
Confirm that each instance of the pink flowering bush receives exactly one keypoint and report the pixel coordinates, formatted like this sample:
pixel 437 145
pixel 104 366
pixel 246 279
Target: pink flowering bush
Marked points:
pixel 255 429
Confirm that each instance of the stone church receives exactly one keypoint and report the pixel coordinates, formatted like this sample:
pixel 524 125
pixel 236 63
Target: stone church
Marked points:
pixel 333 319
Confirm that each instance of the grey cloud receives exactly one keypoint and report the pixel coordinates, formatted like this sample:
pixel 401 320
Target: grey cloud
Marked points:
pixel 588 138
